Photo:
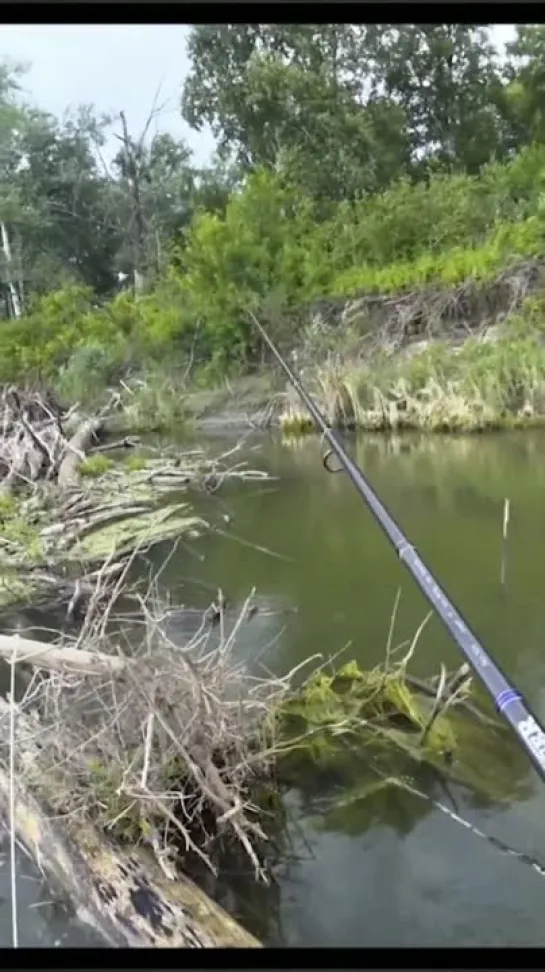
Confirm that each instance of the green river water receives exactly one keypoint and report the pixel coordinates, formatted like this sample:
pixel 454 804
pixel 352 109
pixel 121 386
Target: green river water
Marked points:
pixel 394 870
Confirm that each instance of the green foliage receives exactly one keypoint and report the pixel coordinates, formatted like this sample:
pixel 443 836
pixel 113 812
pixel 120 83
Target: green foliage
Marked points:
pixel 8 506
pixel 97 465
pixel 21 538
pixel 338 105
pixel 85 347
pixel 268 246
pixel 507 244
pixel 89 370
pixel 287 234
pixel 156 404
pixel 454 108
pixel 412 220
pixel 331 111
pixel 231 263
pixel 336 174
pixel 267 253
pixel 136 463
pixel 525 75
pixel 43 341
pixel 358 720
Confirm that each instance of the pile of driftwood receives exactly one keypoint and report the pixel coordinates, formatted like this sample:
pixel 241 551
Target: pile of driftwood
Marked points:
pixel 40 440
pixel 121 761
pixel 110 757
pixel 59 529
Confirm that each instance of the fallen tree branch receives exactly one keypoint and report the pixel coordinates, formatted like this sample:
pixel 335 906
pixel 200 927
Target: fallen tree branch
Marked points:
pixel 76 448
pixel 123 894
pixel 128 442
pixel 57 658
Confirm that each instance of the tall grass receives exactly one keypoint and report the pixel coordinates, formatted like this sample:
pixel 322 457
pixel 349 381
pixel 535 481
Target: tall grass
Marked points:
pixel 482 385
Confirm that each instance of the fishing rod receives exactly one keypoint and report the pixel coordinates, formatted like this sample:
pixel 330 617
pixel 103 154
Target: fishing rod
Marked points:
pixel 508 701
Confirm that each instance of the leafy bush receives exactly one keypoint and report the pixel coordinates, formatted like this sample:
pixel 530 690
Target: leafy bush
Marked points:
pixel 269 242
pixel 231 263
pixel 268 252
pixel 88 372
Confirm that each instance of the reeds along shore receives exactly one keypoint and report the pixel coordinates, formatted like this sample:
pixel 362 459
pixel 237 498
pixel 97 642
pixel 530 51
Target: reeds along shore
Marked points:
pixel 464 358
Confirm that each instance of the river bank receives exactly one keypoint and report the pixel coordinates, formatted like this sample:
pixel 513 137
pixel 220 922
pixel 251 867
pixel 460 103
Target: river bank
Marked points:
pixel 466 358
pixel 411 352
pixel 481 384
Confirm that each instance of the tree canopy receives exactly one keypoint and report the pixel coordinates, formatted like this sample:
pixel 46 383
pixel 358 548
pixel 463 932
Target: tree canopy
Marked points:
pixel 340 148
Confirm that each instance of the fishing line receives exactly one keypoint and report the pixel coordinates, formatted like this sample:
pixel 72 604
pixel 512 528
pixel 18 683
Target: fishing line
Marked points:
pixel 495 842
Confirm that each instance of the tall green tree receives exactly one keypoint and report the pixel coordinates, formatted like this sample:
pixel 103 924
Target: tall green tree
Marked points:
pixel 373 99
pixel 524 98
pixel 447 79
pixel 289 97
pixel 70 232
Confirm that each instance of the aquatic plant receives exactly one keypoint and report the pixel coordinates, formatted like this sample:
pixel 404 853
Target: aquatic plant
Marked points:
pixel 377 720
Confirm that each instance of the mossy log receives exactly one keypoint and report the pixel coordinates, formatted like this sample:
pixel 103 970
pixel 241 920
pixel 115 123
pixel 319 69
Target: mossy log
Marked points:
pixel 122 893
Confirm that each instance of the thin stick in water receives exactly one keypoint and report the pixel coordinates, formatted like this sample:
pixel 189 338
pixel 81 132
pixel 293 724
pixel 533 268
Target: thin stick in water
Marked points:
pixel 505 532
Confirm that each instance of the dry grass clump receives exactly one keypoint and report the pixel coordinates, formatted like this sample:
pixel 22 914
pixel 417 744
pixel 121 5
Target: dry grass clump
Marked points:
pixel 476 387
pixel 156 743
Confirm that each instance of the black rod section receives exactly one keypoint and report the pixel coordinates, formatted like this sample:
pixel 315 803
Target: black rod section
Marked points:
pixel 508 701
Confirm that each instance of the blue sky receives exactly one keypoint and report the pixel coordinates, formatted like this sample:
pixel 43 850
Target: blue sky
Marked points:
pixel 114 67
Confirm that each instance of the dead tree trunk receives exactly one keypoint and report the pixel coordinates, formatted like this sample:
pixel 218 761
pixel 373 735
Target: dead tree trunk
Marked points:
pixel 121 893
pixel 76 448
pixel 132 174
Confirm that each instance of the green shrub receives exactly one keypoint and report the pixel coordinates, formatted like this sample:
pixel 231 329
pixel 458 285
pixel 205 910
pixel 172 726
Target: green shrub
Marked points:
pixel 231 263
pixel 269 252
pixel 87 374
pixel 96 465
